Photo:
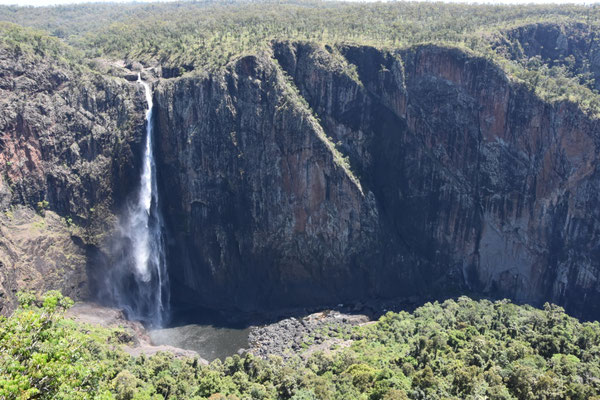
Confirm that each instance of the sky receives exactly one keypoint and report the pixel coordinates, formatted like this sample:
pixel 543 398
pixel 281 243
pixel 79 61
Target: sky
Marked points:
pixel 55 2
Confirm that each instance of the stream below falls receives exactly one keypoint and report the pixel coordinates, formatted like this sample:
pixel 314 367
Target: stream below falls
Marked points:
pixel 209 341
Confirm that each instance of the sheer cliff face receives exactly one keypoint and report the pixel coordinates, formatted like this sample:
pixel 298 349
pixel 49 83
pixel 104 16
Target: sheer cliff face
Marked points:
pixel 458 180
pixel 67 145
pixel 307 176
pixel 262 213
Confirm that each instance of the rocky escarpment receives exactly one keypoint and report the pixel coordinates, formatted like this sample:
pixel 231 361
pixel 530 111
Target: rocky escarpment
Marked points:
pixel 305 176
pixel 262 210
pixel 327 175
pixel 483 173
pixel 68 149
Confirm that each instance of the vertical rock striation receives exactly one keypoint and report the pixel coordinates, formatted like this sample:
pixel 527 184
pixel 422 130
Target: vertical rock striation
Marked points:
pixel 310 175
pixel 262 209
pixel 326 175
pixel 68 139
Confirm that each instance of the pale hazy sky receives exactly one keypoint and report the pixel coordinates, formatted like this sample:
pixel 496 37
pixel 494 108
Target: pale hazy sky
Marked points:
pixel 54 2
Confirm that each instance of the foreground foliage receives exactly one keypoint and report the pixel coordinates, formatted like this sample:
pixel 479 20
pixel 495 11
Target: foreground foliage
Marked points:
pixel 460 349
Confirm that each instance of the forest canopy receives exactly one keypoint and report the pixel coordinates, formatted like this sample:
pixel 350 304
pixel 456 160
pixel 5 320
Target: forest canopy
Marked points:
pixel 207 35
pixel 459 349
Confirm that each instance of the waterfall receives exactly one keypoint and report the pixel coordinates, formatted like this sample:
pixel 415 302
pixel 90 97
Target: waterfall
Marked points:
pixel 138 281
pixel 140 218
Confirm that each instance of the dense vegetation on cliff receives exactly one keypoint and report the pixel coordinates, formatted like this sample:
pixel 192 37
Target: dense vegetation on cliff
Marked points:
pixel 211 32
pixel 460 349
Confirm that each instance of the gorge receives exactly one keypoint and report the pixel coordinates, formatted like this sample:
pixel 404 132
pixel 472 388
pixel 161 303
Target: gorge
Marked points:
pixel 303 175
pixel 300 200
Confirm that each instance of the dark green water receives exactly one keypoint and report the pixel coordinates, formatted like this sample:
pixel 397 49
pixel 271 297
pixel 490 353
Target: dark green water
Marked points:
pixel 207 340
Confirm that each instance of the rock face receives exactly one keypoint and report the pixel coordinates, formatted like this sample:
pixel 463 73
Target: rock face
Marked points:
pixel 68 144
pixel 308 176
pixel 330 175
pixel 261 208
pixel 39 253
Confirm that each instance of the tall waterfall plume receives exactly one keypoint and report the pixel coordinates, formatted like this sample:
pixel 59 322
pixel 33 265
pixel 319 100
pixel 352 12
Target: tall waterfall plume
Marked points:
pixel 138 280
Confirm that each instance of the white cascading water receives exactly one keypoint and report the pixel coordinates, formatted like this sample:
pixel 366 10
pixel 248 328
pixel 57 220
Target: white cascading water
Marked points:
pixel 141 214
pixel 138 282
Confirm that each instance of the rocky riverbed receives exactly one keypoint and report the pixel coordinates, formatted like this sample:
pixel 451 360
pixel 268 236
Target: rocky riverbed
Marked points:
pixel 294 336
pixel 325 331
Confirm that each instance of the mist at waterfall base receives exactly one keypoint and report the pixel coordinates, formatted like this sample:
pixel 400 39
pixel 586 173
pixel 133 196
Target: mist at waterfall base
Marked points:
pixel 137 280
